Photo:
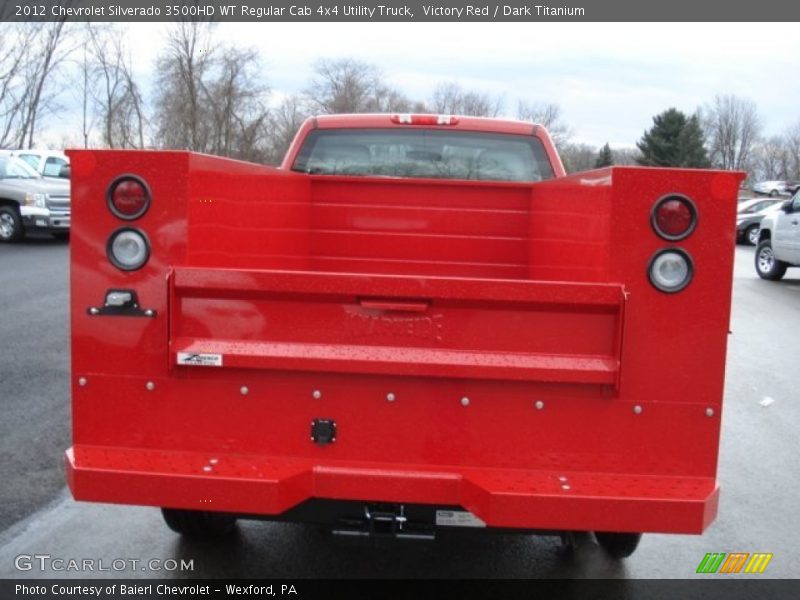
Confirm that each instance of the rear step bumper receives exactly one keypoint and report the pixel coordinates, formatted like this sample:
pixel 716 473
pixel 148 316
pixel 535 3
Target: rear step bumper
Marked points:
pixel 510 498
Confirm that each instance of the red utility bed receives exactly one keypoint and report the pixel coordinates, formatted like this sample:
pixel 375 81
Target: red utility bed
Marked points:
pixel 491 346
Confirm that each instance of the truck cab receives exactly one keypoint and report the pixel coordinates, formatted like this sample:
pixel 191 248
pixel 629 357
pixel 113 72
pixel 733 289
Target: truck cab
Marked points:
pixel 417 322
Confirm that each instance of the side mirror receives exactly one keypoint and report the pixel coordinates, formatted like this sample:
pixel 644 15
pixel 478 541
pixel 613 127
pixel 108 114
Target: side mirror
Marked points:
pixel 786 206
pixel 64 172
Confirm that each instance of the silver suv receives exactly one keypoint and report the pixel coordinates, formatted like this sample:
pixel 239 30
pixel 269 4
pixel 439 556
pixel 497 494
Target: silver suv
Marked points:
pixel 779 241
pixel 30 202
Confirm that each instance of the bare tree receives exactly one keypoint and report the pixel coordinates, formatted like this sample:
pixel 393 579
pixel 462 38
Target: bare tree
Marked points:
pixel 450 98
pixel 182 68
pixel 626 156
pixel 48 51
pixel 732 126
pixel 16 43
pixel 792 140
pixel 86 86
pixel 109 76
pixel 346 85
pixel 211 98
pixel 285 120
pixel 771 159
pixel 578 157
pixel 239 115
pixel 30 53
pixel 549 116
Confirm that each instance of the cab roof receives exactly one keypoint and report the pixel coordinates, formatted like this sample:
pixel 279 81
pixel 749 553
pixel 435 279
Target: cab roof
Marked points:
pixel 369 120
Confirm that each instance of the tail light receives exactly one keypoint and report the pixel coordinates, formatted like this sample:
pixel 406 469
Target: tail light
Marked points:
pixel 128 249
pixel 671 270
pixel 424 119
pixel 674 217
pixel 128 197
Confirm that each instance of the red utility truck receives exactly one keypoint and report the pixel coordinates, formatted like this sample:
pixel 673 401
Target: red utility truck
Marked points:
pixel 416 322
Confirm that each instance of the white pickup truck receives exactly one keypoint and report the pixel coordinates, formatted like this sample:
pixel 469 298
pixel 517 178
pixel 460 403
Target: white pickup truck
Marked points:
pixel 779 241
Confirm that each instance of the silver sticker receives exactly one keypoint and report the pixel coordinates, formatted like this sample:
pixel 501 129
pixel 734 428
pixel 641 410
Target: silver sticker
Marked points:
pixel 458 518
pixel 199 359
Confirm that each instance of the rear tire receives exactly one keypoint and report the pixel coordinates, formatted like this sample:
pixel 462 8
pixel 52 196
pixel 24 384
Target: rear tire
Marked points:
pixel 199 523
pixel 618 545
pixel 751 235
pixel 767 266
pixel 11 227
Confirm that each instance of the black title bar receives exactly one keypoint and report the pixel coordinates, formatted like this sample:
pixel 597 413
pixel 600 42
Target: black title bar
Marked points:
pixel 257 11
pixel 732 588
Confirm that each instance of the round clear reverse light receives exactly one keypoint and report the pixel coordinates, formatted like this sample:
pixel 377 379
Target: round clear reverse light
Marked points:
pixel 671 270
pixel 128 249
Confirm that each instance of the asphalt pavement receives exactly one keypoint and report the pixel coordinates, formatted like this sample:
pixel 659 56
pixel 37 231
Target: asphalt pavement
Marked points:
pixel 758 467
pixel 34 374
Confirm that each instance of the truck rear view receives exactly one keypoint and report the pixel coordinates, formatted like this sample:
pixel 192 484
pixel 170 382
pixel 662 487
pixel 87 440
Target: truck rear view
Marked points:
pixel 417 322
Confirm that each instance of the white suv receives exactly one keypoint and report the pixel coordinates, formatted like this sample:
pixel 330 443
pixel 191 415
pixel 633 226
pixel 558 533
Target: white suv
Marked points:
pixel 779 241
pixel 48 163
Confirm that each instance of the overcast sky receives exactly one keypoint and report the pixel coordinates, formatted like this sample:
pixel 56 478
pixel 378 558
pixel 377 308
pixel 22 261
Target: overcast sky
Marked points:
pixel 609 79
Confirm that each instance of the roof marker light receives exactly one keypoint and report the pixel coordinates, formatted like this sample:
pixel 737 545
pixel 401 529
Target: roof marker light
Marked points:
pixel 406 119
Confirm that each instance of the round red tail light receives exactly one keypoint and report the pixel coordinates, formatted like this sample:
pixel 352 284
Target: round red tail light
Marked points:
pixel 128 197
pixel 674 217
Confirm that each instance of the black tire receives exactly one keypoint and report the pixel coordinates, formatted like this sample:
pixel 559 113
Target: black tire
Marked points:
pixel 11 227
pixel 750 236
pixel 773 193
pixel 618 545
pixel 199 523
pixel 767 266
pixel 61 235
pixel 573 541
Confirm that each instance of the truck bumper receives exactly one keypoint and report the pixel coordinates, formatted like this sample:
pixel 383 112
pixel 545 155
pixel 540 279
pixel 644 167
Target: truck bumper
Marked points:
pixel 43 219
pixel 508 498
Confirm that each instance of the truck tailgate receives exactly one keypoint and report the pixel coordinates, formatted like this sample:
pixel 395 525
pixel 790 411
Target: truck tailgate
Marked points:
pixel 438 327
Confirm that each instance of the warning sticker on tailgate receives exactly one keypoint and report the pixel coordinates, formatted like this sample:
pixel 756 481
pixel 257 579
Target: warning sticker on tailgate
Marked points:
pixel 458 518
pixel 199 360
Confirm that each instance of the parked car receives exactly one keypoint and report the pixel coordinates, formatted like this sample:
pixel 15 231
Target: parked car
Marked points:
pixel 748 218
pixel 48 163
pixel 793 187
pixel 779 241
pixel 773 188
pixel 30 202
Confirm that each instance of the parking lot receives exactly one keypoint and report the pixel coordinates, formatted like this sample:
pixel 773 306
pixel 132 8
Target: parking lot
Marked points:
pixel 758 465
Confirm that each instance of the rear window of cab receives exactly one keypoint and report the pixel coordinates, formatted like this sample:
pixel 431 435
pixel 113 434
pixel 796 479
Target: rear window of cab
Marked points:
pixel 424 153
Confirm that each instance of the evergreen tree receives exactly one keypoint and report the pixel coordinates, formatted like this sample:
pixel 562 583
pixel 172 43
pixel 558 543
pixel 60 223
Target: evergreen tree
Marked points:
pixel 604 157
pixel 673 141
pixel 692 145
